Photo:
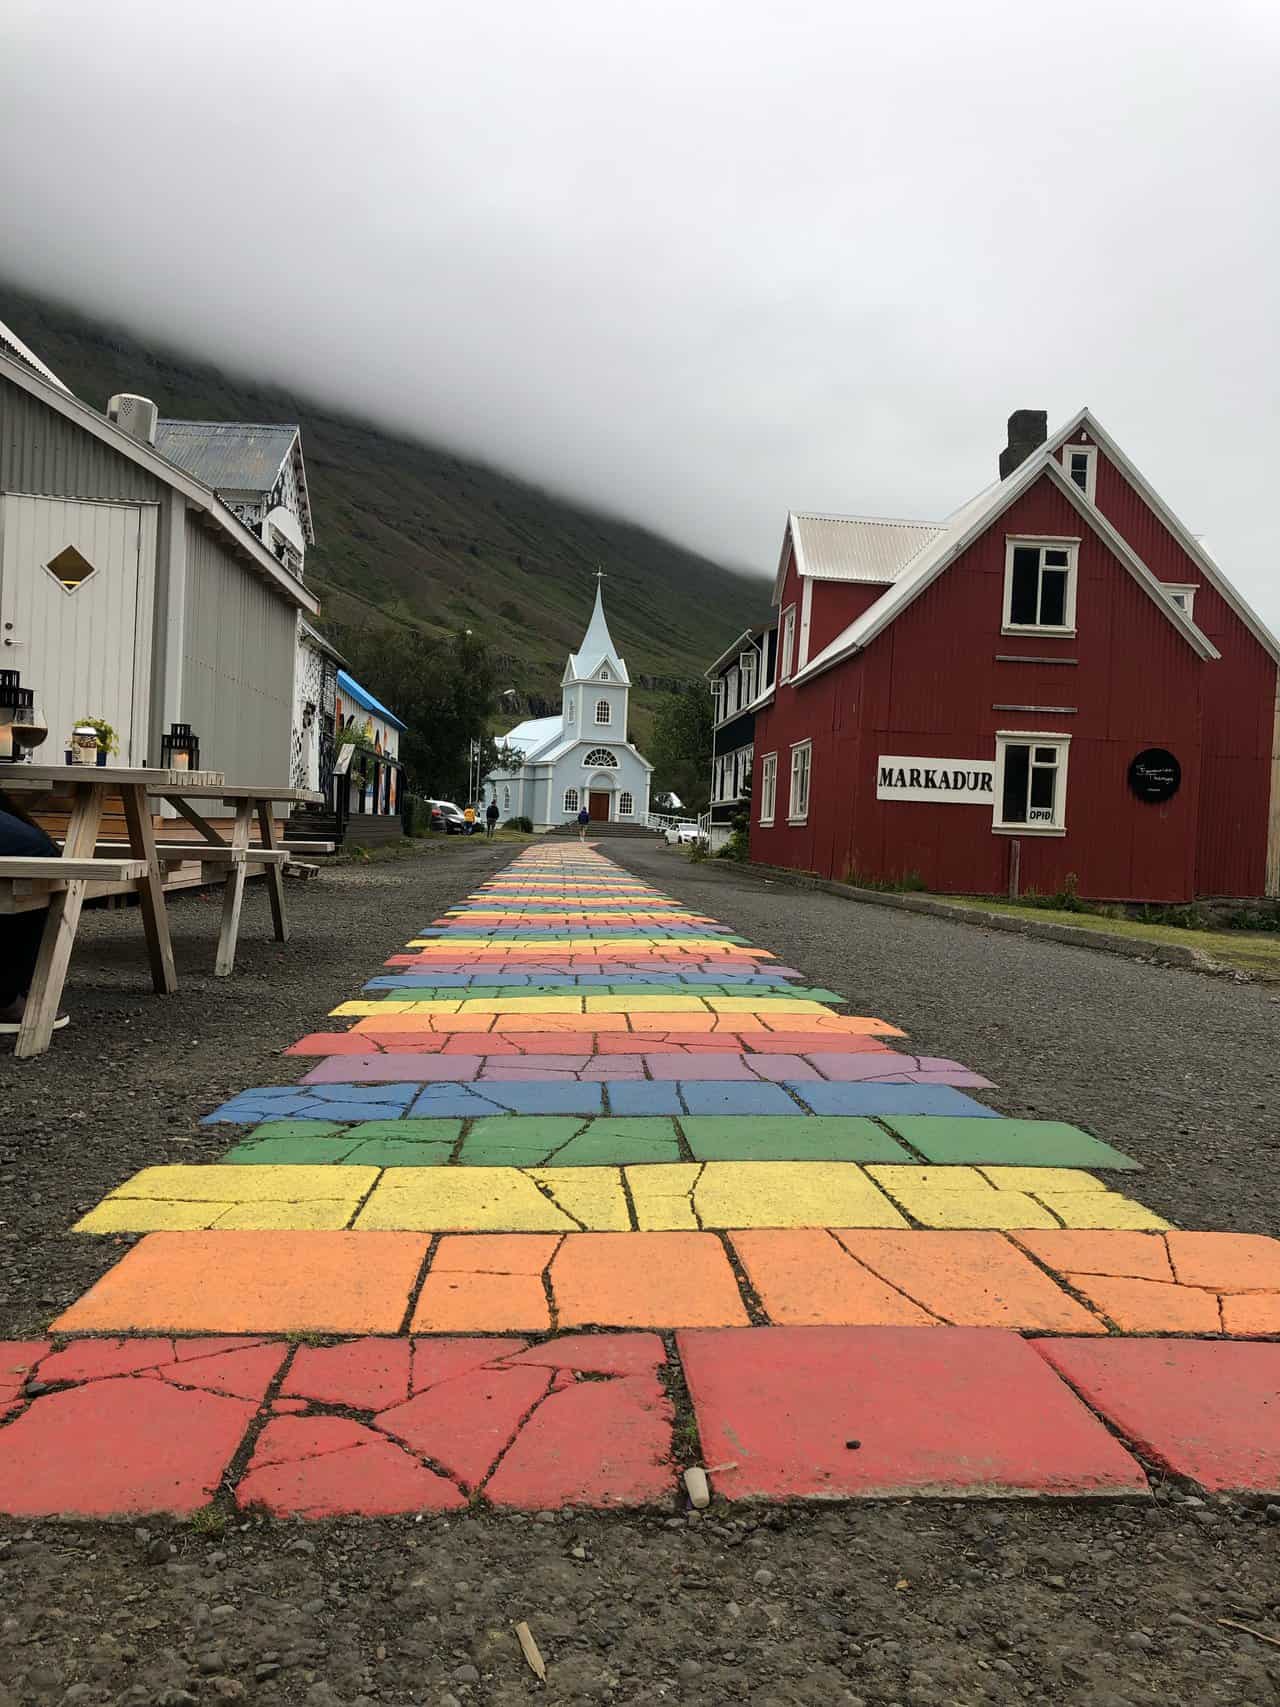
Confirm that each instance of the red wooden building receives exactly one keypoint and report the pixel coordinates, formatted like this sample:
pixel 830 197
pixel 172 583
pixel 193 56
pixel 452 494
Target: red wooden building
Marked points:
pixel 1058 680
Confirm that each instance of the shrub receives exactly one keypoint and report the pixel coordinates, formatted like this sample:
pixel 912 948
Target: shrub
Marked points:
pixel 523 824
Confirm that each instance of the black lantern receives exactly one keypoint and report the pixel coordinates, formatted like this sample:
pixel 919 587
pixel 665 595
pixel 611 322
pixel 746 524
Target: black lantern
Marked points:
pixel 180 749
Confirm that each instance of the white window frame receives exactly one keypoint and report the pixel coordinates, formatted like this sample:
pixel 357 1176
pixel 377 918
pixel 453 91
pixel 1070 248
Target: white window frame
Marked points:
pixel 798 810
pixel 1041 543
pixel 602 705
pixel 768 787
pixel 747 676
pixel 1183 594
pixel 786 656
pixel 742 762
pixel 572 800
pixel 570 709
pixel 626 804
pixel 599 759
pixel 717 700
pixel 1090 454
pixel 1006 738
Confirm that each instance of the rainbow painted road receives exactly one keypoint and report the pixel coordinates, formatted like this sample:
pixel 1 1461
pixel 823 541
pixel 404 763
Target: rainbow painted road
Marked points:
pixel 584 1174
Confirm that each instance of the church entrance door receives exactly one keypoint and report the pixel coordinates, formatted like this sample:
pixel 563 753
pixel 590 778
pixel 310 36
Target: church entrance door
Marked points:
pixel 598 806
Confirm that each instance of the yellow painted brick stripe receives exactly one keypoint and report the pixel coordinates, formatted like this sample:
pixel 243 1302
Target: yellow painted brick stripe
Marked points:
pixel 666 1197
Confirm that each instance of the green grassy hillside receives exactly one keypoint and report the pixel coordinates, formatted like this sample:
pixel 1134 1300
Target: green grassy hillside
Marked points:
pixel 408 533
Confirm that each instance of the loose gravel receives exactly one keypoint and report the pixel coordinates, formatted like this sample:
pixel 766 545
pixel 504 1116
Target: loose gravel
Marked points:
pixel 1177 1068
pixel 918 1605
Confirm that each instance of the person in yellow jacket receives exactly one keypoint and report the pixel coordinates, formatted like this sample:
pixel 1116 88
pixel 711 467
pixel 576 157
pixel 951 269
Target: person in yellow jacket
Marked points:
pixel 470 815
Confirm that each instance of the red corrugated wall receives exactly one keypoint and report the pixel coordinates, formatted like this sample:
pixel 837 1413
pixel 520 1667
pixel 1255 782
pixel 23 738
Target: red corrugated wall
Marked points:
pixel 929 687
pixel 1238 699
pixel 835 604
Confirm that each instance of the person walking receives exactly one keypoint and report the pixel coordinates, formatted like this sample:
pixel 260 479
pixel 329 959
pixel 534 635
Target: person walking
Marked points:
pixel 490 818
pixel 584 818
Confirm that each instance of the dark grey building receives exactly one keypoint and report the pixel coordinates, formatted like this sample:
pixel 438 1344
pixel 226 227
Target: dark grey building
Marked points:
pixel 741 679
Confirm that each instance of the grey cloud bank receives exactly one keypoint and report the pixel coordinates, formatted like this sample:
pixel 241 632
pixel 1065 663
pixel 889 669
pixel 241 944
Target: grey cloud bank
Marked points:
pixel 695 263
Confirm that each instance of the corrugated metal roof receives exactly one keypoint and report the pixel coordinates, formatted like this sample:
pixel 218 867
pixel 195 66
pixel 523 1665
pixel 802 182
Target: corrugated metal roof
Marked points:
pixel 857 548
pixel 13 345
pixel 230 456
pixel 532 735
pixel 961 529
pixel 351 687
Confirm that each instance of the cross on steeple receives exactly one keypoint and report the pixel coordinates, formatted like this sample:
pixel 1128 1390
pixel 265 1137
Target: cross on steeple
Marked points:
pixel 599 574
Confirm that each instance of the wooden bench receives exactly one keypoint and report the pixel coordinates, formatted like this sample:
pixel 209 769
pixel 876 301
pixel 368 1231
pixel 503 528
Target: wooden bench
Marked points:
pixel 206 853
pixel 31 882
pixel 53 874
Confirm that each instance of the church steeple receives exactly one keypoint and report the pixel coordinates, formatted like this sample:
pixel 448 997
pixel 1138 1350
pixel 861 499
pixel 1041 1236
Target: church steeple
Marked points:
pixel 597 646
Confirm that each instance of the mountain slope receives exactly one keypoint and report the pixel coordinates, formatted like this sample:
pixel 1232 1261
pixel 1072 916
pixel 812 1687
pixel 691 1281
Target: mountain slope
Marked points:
pixel 408 533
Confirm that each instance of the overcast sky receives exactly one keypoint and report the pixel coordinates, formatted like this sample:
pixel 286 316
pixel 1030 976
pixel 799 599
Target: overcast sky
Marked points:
pixel 697 261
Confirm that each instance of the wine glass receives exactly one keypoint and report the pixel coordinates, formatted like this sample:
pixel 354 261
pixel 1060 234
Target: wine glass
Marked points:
pixel 30 727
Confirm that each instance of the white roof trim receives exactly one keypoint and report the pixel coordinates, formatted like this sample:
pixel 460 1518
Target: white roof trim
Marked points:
pixel 10 337
pixel 875 620
pixel 197 495
pixel 731 651
pixel 1185 538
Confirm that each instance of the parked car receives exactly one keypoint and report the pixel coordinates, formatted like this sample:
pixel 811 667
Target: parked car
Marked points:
pixel 678 834
pixel 447 817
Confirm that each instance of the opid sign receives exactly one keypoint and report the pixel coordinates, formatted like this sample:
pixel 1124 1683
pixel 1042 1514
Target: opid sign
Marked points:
pixel 956 782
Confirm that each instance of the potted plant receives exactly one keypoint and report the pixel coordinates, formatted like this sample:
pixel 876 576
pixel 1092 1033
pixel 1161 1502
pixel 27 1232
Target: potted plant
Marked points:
pixel 107 740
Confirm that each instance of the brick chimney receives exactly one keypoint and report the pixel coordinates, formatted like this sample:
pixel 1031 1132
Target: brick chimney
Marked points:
pixel 1028 429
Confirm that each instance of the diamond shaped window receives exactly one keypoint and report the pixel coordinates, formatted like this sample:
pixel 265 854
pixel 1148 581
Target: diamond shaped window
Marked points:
pixel 70 568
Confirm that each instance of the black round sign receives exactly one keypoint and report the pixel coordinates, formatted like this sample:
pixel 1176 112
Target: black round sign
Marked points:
pixel 1155 775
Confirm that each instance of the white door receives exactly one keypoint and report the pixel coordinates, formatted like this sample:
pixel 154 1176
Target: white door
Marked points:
pixel 76 593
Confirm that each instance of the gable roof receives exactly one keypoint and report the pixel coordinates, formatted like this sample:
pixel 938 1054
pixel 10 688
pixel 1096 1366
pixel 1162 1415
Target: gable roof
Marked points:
pixel 321 642
pixel 198 496
pixel 597 648
pixel 733 650
pixel 1194 546
pixel 531 736
pixel 238 456
pixel 12 345
pixel 960 532
pixel 351 687
pixel 873 549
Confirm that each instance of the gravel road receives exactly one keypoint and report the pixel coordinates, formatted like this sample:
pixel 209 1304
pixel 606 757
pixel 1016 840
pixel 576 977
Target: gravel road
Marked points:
pixel 920 1605
pixel 1178 1069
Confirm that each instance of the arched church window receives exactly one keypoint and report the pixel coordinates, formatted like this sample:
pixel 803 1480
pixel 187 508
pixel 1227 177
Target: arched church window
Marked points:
pixel 603 712
pixel 571 800
pixel 626 806
pixel 600 758
pixel 506 800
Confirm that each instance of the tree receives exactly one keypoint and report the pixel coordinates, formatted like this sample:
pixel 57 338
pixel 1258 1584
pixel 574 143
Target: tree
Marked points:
pixel 442 689
pixel 680 746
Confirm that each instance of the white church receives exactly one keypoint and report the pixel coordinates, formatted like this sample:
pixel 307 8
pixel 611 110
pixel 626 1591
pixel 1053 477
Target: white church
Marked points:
pixel 581 757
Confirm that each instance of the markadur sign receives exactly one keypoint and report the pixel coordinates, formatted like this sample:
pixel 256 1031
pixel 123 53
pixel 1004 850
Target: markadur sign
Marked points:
pixel 958 782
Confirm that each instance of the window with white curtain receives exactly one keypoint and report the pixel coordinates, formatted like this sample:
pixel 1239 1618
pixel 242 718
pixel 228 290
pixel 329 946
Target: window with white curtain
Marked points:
pixel 798 801
pixel 571 800
pixel 768 786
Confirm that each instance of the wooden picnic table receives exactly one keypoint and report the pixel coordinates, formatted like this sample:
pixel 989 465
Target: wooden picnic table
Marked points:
pixel 92 868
